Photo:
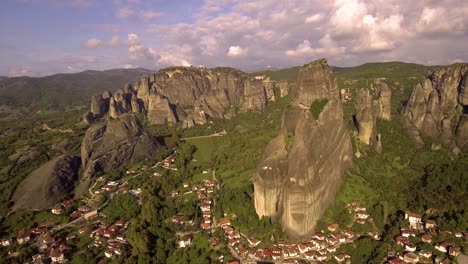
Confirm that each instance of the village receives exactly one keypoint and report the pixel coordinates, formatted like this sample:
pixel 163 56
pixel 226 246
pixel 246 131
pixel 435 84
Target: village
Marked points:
pixel 107 236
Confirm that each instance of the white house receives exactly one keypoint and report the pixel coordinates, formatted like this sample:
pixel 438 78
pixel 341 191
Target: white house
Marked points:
pixel 185 241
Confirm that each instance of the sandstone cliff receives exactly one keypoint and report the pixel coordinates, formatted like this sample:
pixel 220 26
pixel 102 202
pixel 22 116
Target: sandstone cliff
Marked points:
pixel 438 108
pixel 185 94
pixel 369 109
pixel 301 169
pixel 108 145
pixel 365 117
pixel 43 187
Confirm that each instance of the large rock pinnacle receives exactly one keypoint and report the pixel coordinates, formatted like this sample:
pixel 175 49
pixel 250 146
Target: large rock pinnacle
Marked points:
pixel 438 107
pixel 302 168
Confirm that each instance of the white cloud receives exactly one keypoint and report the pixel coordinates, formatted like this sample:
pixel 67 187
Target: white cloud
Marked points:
pixel 92 43
pixel 138 14
pixel 150 15
pixel 236 51
pixel 314 18
pixel 128 66
pixel 137 50
pixel 115 41
pixel 124 12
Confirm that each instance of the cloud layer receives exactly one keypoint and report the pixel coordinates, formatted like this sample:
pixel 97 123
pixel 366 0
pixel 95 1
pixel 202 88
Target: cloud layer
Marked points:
pixel 259 33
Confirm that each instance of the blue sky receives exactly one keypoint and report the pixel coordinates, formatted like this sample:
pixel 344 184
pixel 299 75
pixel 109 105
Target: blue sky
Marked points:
pixel 42 37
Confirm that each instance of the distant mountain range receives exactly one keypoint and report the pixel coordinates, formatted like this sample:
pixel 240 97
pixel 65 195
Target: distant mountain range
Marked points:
pixel 63 90
pixel 367 70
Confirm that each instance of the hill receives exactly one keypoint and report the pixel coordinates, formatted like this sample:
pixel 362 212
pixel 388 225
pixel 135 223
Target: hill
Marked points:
pixel 63 90
pixel 391 70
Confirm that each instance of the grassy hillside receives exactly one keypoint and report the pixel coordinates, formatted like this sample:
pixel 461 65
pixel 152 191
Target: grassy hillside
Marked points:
pixel 63 90
pixel 389 70
pixel 289 74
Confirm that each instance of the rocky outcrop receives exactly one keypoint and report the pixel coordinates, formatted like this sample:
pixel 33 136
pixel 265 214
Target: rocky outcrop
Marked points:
pixel 185 94
pixel 369 109
pixel 254 96
pixel 365 118
pixel 159 110
pixel 283 87
pixel 438 107
pixel 301 169
pixel 384 100
pixel 108 145
pixel 46 185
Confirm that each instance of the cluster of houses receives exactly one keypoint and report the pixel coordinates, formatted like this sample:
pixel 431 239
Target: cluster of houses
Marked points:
pixel 361 214
pixel 321 247
pixel 204 193
pixel 59 208
pixel 108 187
pixel 108 237
pixel 50 249
pixel 425 232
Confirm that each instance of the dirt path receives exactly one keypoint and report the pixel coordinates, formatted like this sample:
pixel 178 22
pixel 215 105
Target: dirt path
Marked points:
pixel 219 134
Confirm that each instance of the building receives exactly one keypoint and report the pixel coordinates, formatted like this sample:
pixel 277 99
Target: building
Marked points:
pixel 23 236
pixel 425 254
pixel 57 209
pixel 454 251
pixel 430 224
pixel 426 238
pixel 224 222
pixel 57 256
pixel 413 218
pixel 333 227
pixel 185 241
pixel 442 247
pixel 410 258
pixel 253 241
pixel 410 247
pixel 5 242
pixel 342 257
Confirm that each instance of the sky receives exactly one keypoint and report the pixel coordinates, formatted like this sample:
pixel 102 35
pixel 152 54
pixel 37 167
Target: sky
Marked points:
pixel 43 37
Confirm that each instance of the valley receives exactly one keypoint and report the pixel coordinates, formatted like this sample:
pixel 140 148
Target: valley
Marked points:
pixel 200 207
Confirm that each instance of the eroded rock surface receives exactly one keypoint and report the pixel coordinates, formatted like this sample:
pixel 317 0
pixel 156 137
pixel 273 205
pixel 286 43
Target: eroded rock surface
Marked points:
pixel 108 145
pixel 46 185
pixel 302 168
pixel 438 107
pixel 185 94
pixel 365 117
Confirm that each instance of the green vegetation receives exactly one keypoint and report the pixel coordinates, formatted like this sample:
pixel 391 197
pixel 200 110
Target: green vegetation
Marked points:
pixel 317 107
pixel 123 206
pixel 289 74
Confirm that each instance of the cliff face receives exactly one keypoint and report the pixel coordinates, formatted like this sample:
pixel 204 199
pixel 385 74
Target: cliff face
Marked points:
pixel 438 107
pixel 369 109
pixel 365 117
pixel 301 169
pixel 46 185
pixel 185 94
pixel 108 145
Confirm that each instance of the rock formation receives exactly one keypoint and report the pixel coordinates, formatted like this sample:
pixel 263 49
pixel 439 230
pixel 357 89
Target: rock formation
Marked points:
pixel 384 101
pixel 46 185
pixel 185 94
pixel 283 87
pixel 368 110
pixel 365 117
pixel 438 107
pixel 108 145
pixel 301 169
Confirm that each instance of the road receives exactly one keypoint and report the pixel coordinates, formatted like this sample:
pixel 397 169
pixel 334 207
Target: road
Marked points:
pixel 60 227
pixel 219 134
